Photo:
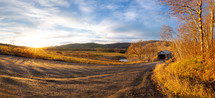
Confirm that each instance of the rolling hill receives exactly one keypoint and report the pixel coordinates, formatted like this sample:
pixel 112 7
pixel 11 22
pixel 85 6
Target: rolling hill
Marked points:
pixel 96 45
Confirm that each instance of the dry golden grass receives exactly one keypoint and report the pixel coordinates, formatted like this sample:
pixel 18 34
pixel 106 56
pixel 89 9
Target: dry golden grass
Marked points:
pixel 53 55
pixel 96 55
pixel 187 78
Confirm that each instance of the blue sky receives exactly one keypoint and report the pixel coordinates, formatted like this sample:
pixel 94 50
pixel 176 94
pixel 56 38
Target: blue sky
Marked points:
pixel 56 22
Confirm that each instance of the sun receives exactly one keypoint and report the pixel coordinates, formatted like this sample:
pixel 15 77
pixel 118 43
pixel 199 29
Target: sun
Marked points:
pixel 35 41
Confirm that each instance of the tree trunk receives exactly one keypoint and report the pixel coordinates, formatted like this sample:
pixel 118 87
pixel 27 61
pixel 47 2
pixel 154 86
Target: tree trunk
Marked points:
pixel 212 28
pixel 200 26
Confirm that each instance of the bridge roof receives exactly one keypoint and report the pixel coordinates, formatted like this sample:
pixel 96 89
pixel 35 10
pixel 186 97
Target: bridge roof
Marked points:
pixel 164 52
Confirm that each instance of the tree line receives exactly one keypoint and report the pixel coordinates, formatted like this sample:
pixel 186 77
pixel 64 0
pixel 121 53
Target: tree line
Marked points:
pixel 194 35
pixel 195 32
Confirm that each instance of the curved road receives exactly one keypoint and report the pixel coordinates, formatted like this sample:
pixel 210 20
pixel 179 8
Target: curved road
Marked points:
pixel 25 77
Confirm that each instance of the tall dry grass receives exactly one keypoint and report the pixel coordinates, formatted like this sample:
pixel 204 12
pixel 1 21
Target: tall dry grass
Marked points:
pixel 53 55
pixel 187 78
pixel 103 56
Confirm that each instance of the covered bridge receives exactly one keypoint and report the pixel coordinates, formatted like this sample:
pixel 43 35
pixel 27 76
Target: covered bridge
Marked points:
pixel 164 55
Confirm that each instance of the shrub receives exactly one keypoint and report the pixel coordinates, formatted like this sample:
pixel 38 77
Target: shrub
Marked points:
pixel 187 78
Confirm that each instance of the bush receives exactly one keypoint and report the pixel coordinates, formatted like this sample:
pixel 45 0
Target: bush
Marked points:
pixel 187 78
pixel 142 51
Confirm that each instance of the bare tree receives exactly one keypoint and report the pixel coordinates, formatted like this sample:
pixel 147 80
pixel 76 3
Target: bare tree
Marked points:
pixel 142 50
pixel 197 22
pixel 167 35
pixel 190 9
pixel 212 8
pixel 136 50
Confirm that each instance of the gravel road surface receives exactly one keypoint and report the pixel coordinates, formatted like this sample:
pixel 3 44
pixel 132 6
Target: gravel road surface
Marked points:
pixel 26 77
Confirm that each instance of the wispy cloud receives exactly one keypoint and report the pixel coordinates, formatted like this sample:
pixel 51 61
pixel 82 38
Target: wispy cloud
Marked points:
pixel 51 3
pixel 130 15
pixel 73 21
pixel 85 6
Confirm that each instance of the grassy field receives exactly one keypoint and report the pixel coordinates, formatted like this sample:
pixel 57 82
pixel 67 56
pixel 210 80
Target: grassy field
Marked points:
pixel 97 55
pixel 187 78
pixel 88 57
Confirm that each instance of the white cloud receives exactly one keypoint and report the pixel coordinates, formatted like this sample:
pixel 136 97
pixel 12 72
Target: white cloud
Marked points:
pixel 50 22
pixel 51 3
pixel 85 6
pixel 111 7
pixel 131 15
pixel 148 4
pixel 85 9
pixel 106 30
pixel 44 21
pixel 42 18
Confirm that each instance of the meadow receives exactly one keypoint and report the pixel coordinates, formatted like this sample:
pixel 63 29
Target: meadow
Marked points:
pixel 97 55
pixel 187 78
pixel 88 57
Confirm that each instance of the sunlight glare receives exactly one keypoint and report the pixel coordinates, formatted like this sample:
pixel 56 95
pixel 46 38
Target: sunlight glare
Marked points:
pixel 35 41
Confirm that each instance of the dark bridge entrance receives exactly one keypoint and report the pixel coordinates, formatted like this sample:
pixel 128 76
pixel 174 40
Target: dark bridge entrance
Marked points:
pixel 161 57
pixel 164 55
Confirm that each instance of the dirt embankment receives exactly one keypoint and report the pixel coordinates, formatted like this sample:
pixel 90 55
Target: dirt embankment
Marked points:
pixel 24 77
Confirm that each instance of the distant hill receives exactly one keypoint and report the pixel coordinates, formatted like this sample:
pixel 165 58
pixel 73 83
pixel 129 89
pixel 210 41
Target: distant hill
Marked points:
pixel 1 44
pixel 95 45
pixel 92 45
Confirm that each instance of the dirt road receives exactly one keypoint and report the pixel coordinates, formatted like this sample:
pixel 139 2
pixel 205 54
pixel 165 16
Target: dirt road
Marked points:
pixel 24 77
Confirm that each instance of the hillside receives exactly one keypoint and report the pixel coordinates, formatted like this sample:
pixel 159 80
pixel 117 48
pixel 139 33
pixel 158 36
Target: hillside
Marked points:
pixel 90 52
pixel 2 44
pixel 96 45
pixel 92 45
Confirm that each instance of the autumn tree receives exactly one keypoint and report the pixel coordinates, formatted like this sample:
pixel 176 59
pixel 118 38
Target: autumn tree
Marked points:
pixel 142 50
pixel 166 34
pixel 135 50
pixel 196 24
pixel 150 51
